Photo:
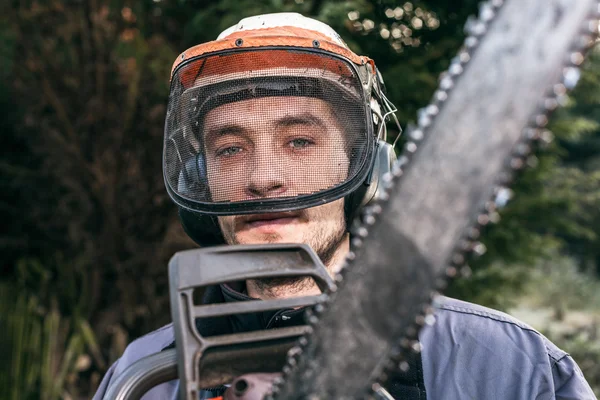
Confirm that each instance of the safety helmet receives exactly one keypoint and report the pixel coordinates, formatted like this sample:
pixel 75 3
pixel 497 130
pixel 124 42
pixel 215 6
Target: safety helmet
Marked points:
pixel 277 114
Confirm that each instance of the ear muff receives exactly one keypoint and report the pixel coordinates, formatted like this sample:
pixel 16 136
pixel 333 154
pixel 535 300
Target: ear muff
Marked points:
pixel 384 160
pixel 202 229
pixel 372 189
pixel 192 176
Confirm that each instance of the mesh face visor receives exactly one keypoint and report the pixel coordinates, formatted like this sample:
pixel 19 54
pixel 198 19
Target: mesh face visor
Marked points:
pixel 265 130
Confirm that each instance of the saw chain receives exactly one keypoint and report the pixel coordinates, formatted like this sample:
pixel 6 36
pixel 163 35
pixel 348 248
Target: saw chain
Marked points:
pixel 482 126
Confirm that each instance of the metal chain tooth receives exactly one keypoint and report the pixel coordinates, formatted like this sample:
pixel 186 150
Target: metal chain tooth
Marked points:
pixel 389 365
pixel 338 278
pixel 451 271
pixel 585 42
pixel 275 387
pixel 473 233
pixel 387 178
pixel 416 135
pixel 489 206
pixel 517 163
pixel 294 351
pixel 441 284
pixel 464 57
pixel 494 216
pixel 466 271
pixel 410 147
pixel 416 346
pixel 483 220
pixel 474 26
pixel 531 134
pixel 440 95
pixel 369 219
pixel 486 12
pixel 404 343
pixel 356 243
pixel 430 319
pixel 523 149
pixel 397 171
pixel 546 137
pixel 403 366
pixel 446 84
pixel 471 42
pixel 571 76
pixel 559 89
pixel 411 332
pixel 541 120
pixel 458 258
pixel 424 120
pixel 464 244
pixel 428 308
pixel 577 58
pixel 551 104
pixel 361 232
pixel 432 110
pixel 562 100
pixel 479 249
pixel 455 68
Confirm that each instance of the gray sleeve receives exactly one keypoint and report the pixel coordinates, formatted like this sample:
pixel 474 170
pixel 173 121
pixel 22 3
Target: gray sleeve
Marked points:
pixel 101 392
pixel 569 382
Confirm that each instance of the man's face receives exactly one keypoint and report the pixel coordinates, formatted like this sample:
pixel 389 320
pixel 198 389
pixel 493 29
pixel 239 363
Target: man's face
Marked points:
pixel 277 147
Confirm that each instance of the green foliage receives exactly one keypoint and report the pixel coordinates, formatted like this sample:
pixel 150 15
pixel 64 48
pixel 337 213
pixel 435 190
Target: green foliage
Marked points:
pixel 45 349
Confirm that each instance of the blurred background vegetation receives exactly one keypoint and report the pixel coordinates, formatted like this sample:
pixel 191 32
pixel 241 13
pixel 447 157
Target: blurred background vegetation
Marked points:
pixel 87 227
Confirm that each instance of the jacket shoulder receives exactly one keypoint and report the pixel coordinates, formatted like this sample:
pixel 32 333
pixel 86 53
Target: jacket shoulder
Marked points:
pixel 474 352
pixel 151 343
pixel 146 345
pixel 493 324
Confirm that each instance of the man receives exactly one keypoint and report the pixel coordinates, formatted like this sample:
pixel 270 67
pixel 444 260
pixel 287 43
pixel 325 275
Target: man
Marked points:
pixel 273 135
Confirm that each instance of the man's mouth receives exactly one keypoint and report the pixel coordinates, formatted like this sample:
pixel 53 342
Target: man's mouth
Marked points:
pixel 258 220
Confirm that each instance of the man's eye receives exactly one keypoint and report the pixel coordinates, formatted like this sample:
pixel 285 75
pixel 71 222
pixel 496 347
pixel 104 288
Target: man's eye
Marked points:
pixel 229 151
pixel 299 143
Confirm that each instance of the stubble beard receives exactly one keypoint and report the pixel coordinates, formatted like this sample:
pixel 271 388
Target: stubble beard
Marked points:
pixel 325 244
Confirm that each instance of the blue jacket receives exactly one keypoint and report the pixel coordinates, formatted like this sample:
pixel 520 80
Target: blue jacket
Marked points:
pixel 471 352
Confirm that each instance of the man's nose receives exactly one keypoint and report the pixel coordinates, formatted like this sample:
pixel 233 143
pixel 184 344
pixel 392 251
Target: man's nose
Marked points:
pixel 266 176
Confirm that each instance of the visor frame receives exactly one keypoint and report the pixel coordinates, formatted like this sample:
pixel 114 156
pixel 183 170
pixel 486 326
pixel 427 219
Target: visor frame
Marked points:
pixel 292 203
